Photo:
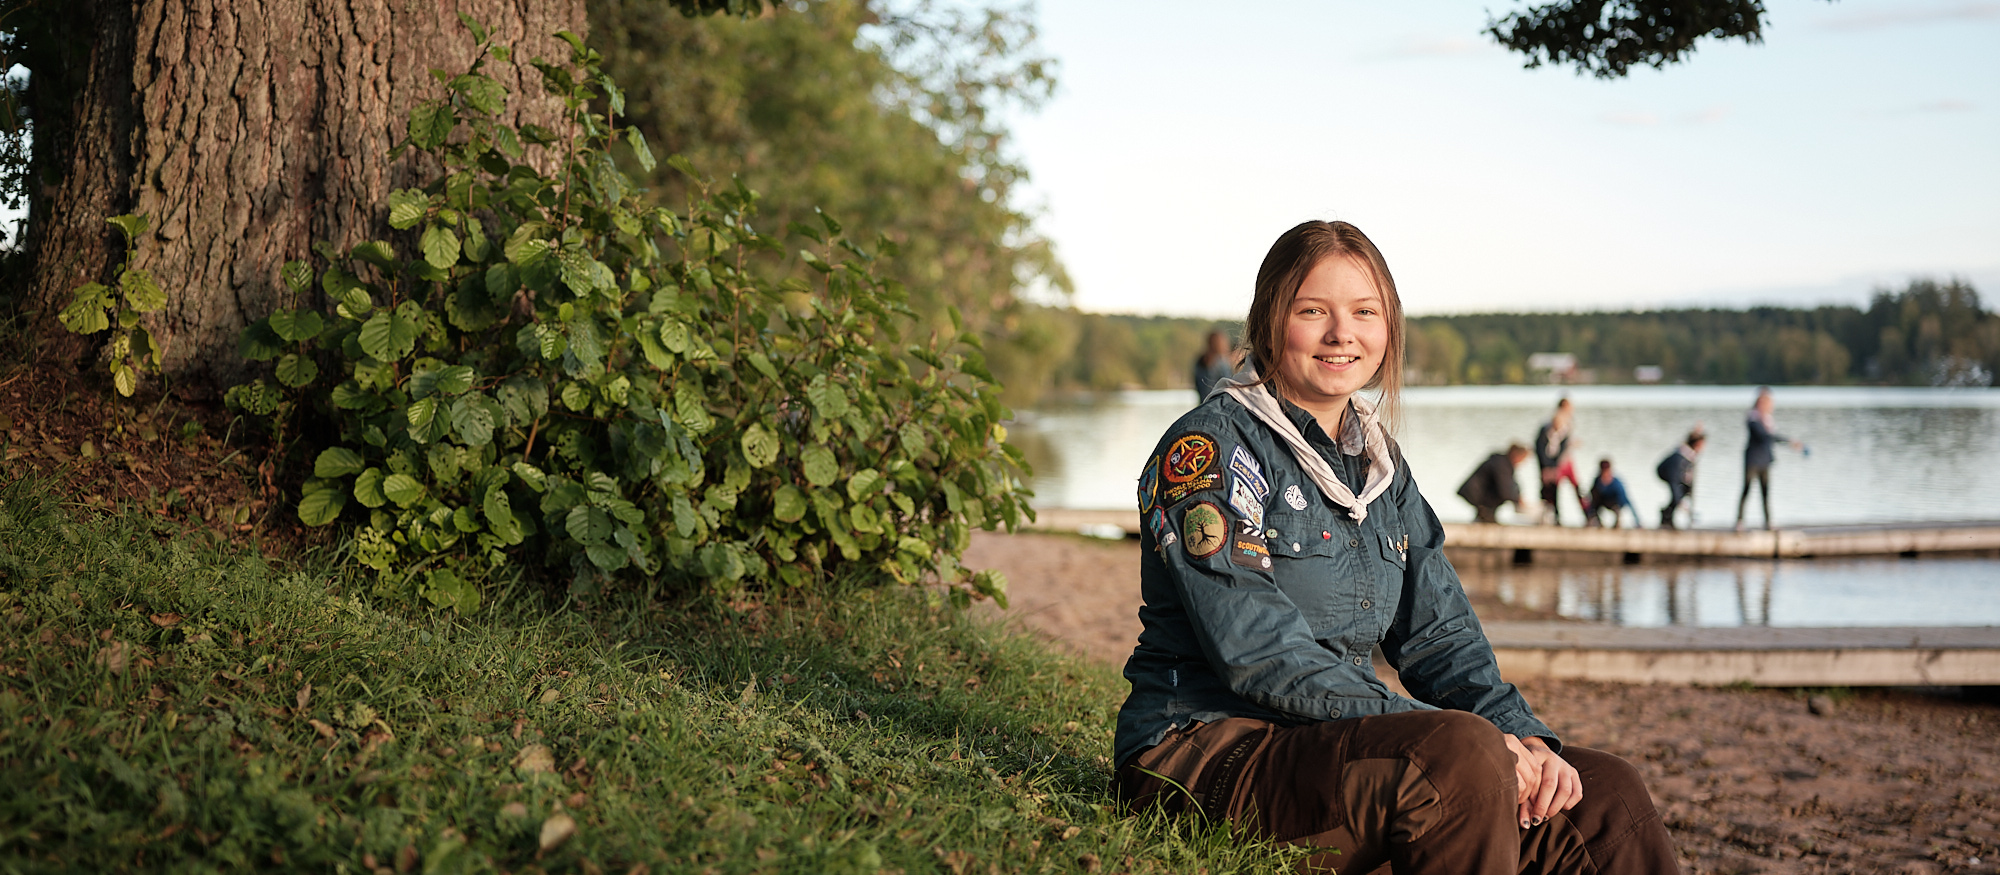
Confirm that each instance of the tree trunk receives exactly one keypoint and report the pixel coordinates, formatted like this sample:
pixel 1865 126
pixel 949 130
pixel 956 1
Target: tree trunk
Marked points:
pixel 246 130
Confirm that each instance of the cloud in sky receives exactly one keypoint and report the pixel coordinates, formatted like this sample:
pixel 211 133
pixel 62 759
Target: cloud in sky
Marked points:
pixel 1903 17
pixel 1948 105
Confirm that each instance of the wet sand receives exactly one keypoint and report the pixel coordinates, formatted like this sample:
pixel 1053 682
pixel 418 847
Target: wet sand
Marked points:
pixel 1749 780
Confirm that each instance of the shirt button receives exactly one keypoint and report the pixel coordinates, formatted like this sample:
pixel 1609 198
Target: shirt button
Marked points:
pixel 1353 542
pixel 1360 660
pixel 1367 603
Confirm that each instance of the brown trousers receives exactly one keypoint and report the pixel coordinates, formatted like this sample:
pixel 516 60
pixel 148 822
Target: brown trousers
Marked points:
pixel 1429 791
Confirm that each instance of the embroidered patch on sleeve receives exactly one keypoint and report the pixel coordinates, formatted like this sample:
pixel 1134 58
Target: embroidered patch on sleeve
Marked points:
pixel 1244 498
pixel 1163 534
pixel 1149 485
pixel 1203 530
pixel 1248 472
pixel 1250 553
pixel 1189 467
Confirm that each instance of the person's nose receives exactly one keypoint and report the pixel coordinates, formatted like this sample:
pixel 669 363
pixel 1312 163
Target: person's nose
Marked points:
pixel 1339 330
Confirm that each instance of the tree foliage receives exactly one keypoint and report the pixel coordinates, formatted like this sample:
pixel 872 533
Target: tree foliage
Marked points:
pixel 888 115
pixel 1927 334
pixel 549 370
pixel 1606 38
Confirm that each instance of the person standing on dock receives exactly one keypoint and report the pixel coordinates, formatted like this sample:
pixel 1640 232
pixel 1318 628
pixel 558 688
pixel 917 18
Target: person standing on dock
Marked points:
pixel 1552 457
pixel 1758 454
pixel 1215 364
pixel 1607 492
pixel 1492 484
pixel 1284 539
pixel 1678 470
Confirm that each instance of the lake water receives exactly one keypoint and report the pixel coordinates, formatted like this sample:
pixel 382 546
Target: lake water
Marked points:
pixel 1876 455
pixel 1825 592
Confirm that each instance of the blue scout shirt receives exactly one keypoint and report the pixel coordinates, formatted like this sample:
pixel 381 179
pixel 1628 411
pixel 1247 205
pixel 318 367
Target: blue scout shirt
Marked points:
pixel 1264 599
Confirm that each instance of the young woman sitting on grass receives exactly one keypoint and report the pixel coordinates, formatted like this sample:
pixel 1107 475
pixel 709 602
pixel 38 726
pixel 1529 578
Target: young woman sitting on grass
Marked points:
pixel 1284 539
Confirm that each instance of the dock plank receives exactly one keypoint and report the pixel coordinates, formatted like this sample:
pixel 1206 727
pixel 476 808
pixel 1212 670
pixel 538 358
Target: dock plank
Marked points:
pixel 1762 656
pixel 1889 539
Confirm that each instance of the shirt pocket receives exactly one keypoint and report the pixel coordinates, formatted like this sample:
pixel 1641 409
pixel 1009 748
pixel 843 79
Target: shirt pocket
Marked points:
pixel 1307 564
pixel 1395 548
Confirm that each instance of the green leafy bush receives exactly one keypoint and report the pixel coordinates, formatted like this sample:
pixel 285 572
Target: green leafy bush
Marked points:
pixel 97 307
pixel 568 377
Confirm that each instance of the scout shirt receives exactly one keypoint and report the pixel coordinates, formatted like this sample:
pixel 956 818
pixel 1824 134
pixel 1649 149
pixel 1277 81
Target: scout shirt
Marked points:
pixel 1264 599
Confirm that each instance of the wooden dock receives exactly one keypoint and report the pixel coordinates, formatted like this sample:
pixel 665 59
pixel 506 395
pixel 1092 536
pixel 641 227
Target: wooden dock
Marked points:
pixel 1889 539
pixel 1758 655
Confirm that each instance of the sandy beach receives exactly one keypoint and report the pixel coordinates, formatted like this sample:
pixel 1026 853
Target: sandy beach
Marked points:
pixel 1749 780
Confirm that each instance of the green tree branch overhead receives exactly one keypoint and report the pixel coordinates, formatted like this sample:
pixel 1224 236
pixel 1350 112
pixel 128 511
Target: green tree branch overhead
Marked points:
pixel 1606 39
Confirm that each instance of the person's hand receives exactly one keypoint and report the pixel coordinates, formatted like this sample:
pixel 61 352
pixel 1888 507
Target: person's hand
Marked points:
pixel 1547 784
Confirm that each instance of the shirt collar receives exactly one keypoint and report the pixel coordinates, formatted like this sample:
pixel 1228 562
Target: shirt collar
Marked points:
pixel 1353 438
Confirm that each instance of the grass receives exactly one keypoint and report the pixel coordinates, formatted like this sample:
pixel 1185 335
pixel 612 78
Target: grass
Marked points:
pixel 171 706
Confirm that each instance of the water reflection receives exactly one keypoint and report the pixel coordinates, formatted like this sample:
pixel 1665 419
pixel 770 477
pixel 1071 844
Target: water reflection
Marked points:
pixel 1870 592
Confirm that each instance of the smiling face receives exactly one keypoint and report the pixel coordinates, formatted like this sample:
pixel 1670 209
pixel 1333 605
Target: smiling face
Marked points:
pixel 1336 335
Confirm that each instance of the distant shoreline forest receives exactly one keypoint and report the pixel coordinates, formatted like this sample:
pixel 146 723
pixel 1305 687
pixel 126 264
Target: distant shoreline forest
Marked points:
pixel 1927 334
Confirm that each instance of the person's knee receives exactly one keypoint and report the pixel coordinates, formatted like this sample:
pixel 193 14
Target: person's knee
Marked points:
pixel 1465 749
pixel 1614 785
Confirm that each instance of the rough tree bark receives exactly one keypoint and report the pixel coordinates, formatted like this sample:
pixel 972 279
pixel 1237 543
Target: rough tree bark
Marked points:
pixel 247 130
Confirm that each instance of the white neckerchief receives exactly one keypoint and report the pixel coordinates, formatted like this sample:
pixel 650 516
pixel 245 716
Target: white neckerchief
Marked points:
pixel 1381 467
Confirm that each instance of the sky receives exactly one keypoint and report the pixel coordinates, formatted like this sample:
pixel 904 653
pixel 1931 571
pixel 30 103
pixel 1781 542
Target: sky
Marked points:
pixel 1857 147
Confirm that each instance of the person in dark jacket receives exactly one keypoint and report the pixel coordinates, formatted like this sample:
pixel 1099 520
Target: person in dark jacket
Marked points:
pixel 1677 469
pixel 1492 484
pixel 1758 455
pixel 1284 539
pixel 1215 364
pixel 1607 492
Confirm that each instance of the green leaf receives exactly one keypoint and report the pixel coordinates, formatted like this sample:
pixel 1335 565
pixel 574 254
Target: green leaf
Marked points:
pixel 500 517
pixel 481 93
pixel 864 483
pixel 407 207
pixel 368 488
pixel 296 370
pixel 390 335
pixel 472 420
pixel 788 504
pixel 320 508
pixel 575 396
pixel 378 253
pixel 865 519
pixel 587 525
pixel 829 398
pixel 674 336
pixel 420 413
pixel 465 520
pixel 259 343
pixel 640 151
pixel 141 293
pixel 472 24
pixel 86 311
pixel 131 225
pixel 354 303
pixel 402 489
pixel 298 276
pixel 691 409
pixel 431 123
pixel 440 246
pixel 124 379
pixel 453 380
pixel 821 468
pixel 993 585
pixel 532 476
pixel 763 365
pixel 296 325
pixel 760 445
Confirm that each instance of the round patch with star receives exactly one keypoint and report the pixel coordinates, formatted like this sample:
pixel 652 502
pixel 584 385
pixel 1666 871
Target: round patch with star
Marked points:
pixel 1203 530
pixel 1189 457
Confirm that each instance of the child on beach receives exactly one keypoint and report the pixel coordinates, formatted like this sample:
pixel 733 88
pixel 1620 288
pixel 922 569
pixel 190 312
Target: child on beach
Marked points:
pixel 1284 539
pixel 1607 493
pixel 1677 469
